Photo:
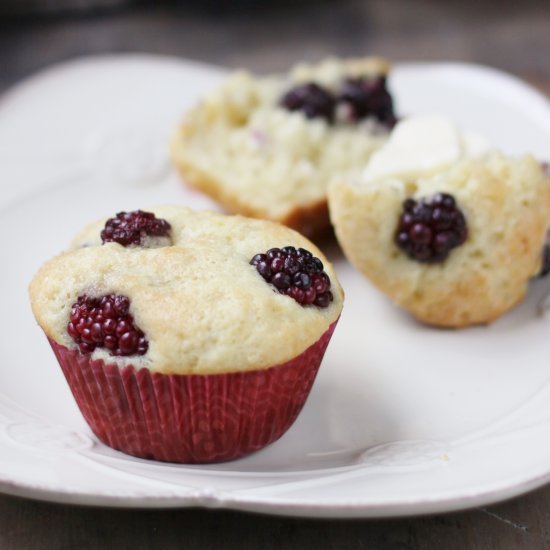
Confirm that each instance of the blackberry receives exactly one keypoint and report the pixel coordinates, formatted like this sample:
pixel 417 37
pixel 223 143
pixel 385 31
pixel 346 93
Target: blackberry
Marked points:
pixel 130 228
pixel 106 323
pixel 296 273
pixel 368 97
pixel 313 100
pixel 429 229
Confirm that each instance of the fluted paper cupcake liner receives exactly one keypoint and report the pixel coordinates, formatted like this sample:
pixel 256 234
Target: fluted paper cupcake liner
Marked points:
pixel 190 418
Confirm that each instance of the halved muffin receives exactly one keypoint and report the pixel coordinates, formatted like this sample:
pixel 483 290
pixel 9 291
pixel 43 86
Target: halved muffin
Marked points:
pixel 449 229
pixel 267 147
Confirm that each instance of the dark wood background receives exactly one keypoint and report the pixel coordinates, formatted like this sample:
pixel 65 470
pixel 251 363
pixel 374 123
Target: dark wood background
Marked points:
pixel 269 36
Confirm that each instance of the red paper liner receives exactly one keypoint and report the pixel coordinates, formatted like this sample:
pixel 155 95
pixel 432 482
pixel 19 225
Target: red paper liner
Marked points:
pixel 190 418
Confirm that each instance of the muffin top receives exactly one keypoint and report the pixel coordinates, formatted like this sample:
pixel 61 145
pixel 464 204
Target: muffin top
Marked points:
pixel 191 296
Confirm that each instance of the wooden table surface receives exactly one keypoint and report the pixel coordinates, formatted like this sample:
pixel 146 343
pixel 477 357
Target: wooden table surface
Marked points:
pixel 515 36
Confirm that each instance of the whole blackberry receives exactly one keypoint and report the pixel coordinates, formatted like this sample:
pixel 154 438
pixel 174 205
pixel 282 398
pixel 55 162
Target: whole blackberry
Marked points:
pixel 313 100
pixel 106 323
pixel 296 273
pixel 429 229
pixel 365 97
pixel 130 228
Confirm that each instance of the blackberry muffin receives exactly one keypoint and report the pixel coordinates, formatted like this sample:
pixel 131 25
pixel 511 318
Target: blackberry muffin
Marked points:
pixel 268 147
pixel 449 229
pixel 188 336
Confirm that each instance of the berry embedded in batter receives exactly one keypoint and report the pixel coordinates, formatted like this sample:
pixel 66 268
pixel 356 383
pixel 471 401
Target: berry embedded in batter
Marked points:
pixel 105 322
pixel 132 228
pixel 429 229
pixel 296 273
pixel 366 97
pixel 313 100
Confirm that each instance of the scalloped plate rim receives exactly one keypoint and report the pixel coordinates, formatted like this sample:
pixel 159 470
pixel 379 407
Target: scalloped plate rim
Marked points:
pixel 436 502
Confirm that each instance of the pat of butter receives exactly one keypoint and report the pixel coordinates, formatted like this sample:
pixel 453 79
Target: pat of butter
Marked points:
pixel 423 145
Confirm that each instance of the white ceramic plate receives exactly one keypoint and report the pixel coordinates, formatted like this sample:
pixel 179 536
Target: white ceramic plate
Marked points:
pixel 402 419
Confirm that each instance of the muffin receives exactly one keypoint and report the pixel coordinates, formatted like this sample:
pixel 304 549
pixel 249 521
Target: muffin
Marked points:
pixel 188 336
pixel 267 147
pixel 448 228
